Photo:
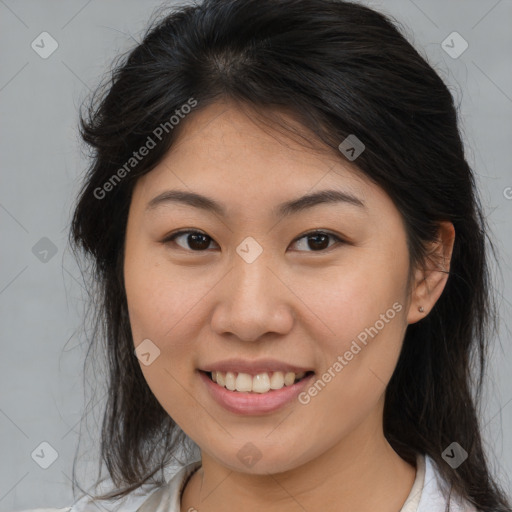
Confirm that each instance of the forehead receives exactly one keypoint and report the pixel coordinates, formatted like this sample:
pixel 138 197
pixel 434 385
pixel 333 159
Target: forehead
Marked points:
pixel 224 148
pixel 232 131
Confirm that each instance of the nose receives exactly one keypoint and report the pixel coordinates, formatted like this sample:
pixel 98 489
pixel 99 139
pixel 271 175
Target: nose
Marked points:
pixel 252 301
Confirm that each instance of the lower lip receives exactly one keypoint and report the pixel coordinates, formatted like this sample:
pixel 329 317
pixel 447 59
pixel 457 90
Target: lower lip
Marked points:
pixel 254 403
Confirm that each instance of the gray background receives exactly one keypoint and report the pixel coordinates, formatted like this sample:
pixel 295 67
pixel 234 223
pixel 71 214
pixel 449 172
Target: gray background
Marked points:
pixel 42 303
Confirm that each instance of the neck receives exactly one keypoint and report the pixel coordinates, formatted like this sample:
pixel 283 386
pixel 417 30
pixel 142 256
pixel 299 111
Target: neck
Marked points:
pixel 353 475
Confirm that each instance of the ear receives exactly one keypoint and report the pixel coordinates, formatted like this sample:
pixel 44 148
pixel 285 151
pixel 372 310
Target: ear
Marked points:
pixel 430 280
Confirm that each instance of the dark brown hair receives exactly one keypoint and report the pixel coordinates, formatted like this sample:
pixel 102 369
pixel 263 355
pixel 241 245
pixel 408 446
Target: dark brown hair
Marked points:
pixel 340 68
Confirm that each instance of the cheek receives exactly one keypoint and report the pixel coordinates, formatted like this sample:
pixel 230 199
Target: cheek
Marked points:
pixel 362 310
pixel 146 298
pixel 158 300
pixel 158 303
pixel 367 318
pixel 348 298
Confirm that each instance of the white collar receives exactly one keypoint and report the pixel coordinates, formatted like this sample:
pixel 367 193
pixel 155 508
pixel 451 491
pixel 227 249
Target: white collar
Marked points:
pixel 167 498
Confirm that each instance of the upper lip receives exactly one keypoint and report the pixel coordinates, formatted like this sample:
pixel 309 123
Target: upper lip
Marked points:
pixel 253 367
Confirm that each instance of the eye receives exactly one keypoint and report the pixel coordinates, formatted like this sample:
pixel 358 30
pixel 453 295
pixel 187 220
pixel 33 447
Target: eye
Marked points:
pixel 196 240
pixel 318 240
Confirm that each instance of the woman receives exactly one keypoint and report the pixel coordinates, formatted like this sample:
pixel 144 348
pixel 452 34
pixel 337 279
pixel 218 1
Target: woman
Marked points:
pixel 292 266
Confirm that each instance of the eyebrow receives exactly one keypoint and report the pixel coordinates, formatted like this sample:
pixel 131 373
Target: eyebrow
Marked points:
pixel 283 210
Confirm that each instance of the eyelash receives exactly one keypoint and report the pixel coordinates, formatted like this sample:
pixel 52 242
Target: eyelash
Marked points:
pixel 338 239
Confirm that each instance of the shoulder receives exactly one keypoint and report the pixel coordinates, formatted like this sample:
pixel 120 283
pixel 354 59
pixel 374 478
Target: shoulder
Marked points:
pixel 434 495
pixel 144 499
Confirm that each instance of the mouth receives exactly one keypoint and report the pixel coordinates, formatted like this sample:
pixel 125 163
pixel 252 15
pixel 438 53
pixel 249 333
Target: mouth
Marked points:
pixel 253 395
pixel 261 383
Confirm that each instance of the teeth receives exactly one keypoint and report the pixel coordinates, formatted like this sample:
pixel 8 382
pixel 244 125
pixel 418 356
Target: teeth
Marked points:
pixel 277 380
pixel 243 382
pixel 260 383
pixel 230 381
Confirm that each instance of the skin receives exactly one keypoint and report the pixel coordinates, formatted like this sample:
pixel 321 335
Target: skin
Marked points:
pixel 292 303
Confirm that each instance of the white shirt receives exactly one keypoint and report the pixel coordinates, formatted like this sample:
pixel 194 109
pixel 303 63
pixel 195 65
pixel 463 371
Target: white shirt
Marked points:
pixel 425 496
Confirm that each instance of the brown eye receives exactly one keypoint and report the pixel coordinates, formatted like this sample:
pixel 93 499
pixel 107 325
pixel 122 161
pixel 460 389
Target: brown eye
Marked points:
pixel 318 241
pixel 194 240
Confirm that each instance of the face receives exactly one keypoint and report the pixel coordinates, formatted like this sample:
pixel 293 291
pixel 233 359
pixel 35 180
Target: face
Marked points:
pixel 318 286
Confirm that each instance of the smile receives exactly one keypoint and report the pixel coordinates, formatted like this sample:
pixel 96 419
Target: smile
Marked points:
pixel 252 402
pixel 261 383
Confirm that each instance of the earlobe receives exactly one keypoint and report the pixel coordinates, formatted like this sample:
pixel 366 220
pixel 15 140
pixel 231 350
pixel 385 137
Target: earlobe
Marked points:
pixel 429 281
